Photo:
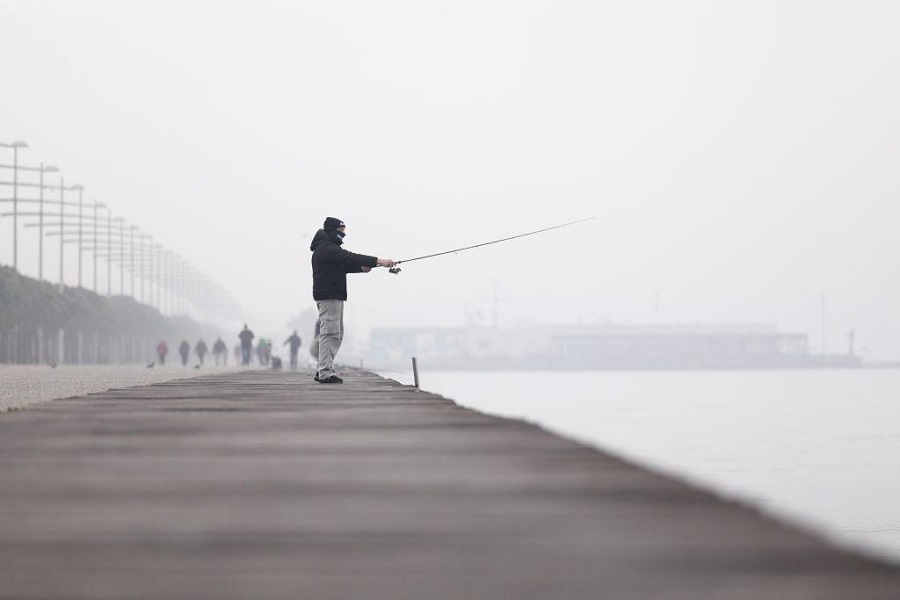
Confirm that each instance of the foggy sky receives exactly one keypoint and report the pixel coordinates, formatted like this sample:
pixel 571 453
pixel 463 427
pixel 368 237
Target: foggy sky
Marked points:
pixel 740 157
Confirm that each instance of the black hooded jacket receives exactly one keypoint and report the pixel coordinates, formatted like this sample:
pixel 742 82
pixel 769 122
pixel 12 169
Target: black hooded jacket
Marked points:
pixel 330 265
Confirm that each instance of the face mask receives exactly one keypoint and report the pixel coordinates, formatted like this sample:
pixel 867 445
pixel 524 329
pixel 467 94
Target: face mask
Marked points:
pixel 340 235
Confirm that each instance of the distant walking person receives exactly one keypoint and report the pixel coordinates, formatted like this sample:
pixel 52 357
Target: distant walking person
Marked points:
pixel 184 350
pixel 330 265
pixel 220 350
pixel 295 342
pixel 246 337
pixel 263 352
pixel 201 350
pixel 162 348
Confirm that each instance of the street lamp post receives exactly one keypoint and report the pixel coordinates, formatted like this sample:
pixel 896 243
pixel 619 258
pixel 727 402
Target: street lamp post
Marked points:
pixel 145 236
pixel 47 169
pixel 62 225
pixel 62 219
pixel 157 251
pixel 121 255
pixel 131 256
pixel 166 269
pixel 15 148
pixel 80 190
pixel 96 206
pixel 109 221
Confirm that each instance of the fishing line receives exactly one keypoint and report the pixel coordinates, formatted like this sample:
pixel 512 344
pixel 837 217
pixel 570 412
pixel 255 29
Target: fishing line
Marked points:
pixel 396 270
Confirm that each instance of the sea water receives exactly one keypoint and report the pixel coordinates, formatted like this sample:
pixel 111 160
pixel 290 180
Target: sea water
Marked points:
pixel 820 448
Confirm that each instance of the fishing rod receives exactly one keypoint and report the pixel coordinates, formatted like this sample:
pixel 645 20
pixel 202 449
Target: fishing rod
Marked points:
pixel 395 270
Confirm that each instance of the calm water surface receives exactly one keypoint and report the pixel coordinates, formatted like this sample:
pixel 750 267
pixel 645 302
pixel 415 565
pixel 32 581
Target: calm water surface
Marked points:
pixel 819 447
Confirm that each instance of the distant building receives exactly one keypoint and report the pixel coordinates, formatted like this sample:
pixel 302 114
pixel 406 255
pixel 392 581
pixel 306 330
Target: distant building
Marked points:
pixel 599 347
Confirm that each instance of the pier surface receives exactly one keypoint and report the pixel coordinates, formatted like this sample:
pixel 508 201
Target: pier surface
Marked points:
pixel 269 485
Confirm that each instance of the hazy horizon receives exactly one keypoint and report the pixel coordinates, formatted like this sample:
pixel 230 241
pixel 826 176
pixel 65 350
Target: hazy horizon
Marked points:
pixel 739 158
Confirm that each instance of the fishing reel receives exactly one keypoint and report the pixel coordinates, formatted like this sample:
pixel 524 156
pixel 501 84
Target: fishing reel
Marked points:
pixel 394 270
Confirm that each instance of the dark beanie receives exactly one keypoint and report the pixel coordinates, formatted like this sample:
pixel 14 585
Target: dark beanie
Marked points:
pixel 332 224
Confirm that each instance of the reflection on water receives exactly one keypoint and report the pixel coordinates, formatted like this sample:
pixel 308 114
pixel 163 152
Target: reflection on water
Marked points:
pixel 821 447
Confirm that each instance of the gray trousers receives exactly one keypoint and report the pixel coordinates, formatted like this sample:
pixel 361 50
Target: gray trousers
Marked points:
pixel 331 334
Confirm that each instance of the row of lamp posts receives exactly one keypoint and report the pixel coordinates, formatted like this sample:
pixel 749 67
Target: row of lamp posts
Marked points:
pixel 173 285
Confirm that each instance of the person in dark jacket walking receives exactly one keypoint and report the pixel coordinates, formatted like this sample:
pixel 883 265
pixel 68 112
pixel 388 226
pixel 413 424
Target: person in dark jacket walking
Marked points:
pixel 295 342
pixel 219 349
pixel 201 350
pixel 162 348
pixel 184 349
pixel 330 265
pixel 246 336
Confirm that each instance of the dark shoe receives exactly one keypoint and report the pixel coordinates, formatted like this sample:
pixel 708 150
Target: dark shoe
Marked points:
pixel 331 379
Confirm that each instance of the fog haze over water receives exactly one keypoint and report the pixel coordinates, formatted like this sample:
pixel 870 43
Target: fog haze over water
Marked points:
pixel 740 157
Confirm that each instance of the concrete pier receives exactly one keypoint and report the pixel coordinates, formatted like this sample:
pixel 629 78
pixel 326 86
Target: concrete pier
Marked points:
pixel 269 485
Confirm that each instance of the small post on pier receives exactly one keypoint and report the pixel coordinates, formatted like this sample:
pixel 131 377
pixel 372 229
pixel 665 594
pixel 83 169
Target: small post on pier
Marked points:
pixel 415 372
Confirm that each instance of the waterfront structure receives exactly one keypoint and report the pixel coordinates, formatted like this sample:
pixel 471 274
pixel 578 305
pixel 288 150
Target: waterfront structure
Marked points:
pixel 697 346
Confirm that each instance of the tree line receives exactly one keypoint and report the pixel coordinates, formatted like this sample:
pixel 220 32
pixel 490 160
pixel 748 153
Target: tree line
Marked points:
pixel 32 311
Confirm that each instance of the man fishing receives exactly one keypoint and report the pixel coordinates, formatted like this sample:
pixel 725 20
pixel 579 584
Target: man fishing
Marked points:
pixel 330 265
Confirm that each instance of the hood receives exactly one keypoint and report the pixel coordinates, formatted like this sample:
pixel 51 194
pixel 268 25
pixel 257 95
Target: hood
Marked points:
pixel 323 236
